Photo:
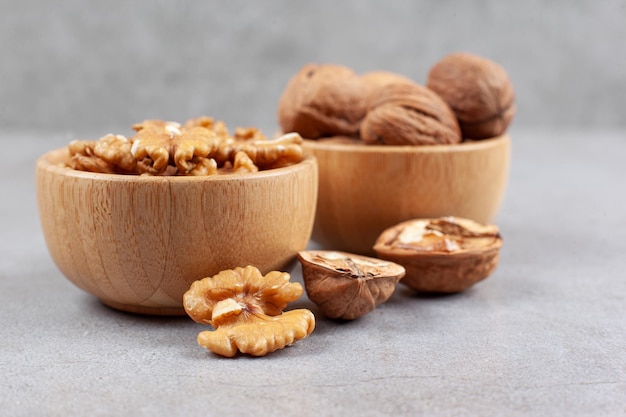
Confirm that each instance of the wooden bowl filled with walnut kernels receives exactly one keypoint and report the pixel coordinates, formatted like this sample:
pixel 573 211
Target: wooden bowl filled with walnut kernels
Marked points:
pixel 138 242
pixel 365 189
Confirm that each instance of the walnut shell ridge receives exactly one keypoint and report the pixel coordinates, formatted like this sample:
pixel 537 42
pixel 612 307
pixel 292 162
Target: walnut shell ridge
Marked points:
pixel 374 81
pixel 406 113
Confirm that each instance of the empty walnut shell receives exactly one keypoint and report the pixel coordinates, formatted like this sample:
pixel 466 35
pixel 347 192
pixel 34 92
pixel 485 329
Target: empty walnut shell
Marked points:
pixel 443 255
pixel 347 286
pixel 405 113
pixel 322 100
pixel 478 91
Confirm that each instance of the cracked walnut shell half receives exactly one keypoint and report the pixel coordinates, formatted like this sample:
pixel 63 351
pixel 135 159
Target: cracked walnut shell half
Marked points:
pixel 246 310
pixel 345 285
pixel 442 255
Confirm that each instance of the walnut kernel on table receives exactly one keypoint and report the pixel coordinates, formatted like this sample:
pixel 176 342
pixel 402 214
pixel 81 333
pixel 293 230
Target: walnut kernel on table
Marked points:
pixel 199 147
pixel 246 310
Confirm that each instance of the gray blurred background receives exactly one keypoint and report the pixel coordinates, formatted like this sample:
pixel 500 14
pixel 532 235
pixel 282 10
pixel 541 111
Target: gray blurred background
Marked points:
pixel 89 68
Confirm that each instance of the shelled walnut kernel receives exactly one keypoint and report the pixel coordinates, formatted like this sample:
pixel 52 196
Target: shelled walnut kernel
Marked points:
pixel 246 310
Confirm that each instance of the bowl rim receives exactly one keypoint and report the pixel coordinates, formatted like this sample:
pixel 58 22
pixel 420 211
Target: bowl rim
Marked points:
pixel 47 162
pixel 465 146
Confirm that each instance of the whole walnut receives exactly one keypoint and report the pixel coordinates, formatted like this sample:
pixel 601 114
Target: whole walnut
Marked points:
pixel 406 113
pixel 322 100
pixel 374 81
pixel 478 91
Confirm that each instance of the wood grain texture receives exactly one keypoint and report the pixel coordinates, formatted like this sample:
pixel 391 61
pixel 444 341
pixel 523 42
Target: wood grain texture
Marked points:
pixel 365 189
pixel 138 243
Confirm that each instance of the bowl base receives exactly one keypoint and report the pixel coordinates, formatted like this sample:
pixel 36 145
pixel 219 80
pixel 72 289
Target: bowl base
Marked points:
pixel 137 309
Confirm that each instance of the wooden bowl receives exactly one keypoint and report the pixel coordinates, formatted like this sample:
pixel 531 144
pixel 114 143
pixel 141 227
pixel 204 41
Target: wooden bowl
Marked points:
pixel 138 242
pixel 364 189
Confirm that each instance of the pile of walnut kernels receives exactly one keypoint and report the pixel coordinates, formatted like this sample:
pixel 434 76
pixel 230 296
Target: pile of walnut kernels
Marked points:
pixel 199 147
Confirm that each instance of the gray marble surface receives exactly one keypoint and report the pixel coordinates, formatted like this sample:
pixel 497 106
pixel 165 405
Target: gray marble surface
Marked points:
pixel 545 335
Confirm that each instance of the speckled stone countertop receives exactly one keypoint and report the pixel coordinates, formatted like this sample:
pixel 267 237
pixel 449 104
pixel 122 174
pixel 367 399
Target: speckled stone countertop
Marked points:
pixel 545 335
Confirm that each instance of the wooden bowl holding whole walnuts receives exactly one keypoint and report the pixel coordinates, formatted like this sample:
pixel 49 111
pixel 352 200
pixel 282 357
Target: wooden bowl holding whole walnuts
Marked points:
pixel 137 242
pixel 391 150
pixel 365 189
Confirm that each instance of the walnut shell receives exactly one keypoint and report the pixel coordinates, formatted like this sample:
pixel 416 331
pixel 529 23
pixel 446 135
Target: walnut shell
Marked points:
pixel 478 91
pixel 322 100
pixel 375 81
pixel 345 285
pixel 443 255
pixel 405 113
